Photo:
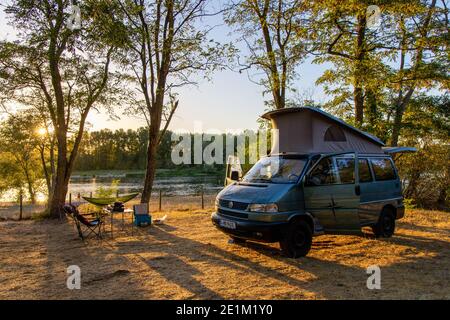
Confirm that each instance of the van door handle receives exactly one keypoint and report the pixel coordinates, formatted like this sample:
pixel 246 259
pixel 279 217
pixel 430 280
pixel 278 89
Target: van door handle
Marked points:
pixel 357 190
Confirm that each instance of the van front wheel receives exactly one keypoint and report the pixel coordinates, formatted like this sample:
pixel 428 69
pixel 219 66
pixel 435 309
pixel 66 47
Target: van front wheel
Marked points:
pixel 297 241
pixel 385 226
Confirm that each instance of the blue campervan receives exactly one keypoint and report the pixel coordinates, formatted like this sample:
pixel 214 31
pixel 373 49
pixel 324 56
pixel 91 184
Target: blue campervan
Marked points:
pixel 322 176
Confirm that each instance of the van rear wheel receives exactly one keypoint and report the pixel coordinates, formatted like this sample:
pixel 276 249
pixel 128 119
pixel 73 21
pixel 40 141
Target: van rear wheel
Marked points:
pixel 297 241
pixel 385 226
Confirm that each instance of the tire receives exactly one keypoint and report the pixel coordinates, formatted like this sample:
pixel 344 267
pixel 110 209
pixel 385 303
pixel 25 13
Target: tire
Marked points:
pixel 238 240
pixel 385 226
pixel 297 241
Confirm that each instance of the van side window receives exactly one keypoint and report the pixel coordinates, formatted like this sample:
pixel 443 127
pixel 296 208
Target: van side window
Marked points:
pixel 323 173
pixel 364 171
pixel 346 169
pixel 383 169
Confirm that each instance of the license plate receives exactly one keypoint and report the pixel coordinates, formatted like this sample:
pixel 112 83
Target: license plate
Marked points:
pixel 227 224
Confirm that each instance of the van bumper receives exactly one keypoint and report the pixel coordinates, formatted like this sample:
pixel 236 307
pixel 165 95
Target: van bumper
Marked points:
pixel 251 230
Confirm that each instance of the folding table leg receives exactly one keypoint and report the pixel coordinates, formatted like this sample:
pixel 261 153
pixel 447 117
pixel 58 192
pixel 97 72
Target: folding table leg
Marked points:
pixel 112 226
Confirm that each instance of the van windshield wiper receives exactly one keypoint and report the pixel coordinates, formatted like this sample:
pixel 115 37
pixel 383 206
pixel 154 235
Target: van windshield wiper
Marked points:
pixel 260 180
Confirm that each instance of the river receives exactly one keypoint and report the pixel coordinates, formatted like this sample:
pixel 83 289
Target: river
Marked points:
pixel 170 186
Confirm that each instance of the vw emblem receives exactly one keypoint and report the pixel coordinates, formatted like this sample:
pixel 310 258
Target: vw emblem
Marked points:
pixel 230 204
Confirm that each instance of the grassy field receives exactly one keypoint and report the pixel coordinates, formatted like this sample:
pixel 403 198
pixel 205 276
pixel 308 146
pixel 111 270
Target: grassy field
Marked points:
pixel 187 258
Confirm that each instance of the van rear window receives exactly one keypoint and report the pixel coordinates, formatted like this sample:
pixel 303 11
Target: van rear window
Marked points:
pixel 383 169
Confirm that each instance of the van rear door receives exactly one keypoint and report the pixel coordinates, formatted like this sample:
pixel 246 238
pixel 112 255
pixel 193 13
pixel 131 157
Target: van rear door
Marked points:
pixel 332 194
pixel 397 152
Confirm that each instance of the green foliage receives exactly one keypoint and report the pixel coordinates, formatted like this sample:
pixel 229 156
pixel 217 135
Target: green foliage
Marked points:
pixel 426 174
pixel 120 150
pixel 379 68
pixel 126 150
pixel 391 81
pixel 19 155
pixel 108 192
pixel 270 31
pixel 409 204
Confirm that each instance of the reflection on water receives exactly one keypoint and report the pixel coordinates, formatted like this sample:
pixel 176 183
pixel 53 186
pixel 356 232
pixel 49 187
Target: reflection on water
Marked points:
pixel 170 186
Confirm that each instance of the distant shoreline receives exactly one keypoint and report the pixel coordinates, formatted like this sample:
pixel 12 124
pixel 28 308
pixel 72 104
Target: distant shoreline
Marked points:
pixel 134 173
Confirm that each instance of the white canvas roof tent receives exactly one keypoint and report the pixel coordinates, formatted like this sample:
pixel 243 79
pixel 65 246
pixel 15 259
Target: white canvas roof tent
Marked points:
pixel 311 130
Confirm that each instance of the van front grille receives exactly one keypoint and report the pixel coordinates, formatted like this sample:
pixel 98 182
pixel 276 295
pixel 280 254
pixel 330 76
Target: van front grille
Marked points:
pixel 233 214
pixel 234 204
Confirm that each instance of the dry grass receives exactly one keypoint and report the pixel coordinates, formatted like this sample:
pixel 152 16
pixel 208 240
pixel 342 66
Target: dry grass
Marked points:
pixel 187 258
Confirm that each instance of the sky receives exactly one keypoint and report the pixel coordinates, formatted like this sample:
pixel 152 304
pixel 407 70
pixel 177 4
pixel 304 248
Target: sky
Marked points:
pixel 228 102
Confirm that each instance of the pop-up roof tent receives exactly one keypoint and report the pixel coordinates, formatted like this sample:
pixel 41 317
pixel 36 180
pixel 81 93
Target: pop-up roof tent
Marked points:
pixel 311 130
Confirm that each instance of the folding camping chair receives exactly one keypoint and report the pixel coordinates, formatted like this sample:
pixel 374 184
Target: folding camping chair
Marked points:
pixel 141 215
pixel 90 226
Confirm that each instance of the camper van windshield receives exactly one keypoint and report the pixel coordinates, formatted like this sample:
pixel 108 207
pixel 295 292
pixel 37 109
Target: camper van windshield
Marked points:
pixel 275 170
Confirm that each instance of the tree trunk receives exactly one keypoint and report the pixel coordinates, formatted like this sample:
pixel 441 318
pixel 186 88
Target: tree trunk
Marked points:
pixel 441 201
pixel 412 185
pixel 61 181
pixel 397 124
pixel 371 107
pixel 359 105
pixel 274 77
pixel 398 118
pixel 151 168
pixel 31 191
pixel 58 198
pixel 358 93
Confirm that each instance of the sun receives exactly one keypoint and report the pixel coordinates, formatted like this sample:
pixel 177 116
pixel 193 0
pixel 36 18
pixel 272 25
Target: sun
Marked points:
pixel 42 131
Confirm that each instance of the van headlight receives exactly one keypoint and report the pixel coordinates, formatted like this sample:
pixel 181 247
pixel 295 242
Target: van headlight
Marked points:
pixel 263 207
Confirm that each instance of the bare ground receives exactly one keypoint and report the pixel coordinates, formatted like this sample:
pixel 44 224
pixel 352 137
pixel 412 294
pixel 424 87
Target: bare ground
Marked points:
pixel 187 258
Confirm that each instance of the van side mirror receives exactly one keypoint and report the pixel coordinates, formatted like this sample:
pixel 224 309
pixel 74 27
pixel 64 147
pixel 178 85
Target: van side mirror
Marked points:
pixel 234 175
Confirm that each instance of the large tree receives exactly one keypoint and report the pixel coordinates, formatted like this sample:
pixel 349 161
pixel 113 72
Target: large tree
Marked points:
pixel 165 49
pixel 271 30
pixel 66 66
pixel 422 55
pixel 340 34
pixel 376 70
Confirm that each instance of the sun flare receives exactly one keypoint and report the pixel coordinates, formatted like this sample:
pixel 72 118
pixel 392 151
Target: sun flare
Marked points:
pixel 42 131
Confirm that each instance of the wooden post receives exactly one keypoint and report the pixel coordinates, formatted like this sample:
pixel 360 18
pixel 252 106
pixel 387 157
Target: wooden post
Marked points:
pixel 20 206
pixel 160 199
pixel 90 195
pixel 117 193
pixel 70 198
pixel 79 196
pixel 203 200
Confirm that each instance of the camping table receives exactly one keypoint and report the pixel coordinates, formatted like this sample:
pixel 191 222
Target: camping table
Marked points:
pixel 111 212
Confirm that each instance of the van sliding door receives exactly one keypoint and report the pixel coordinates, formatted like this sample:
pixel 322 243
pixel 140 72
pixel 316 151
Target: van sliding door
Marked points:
pixel 332 193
